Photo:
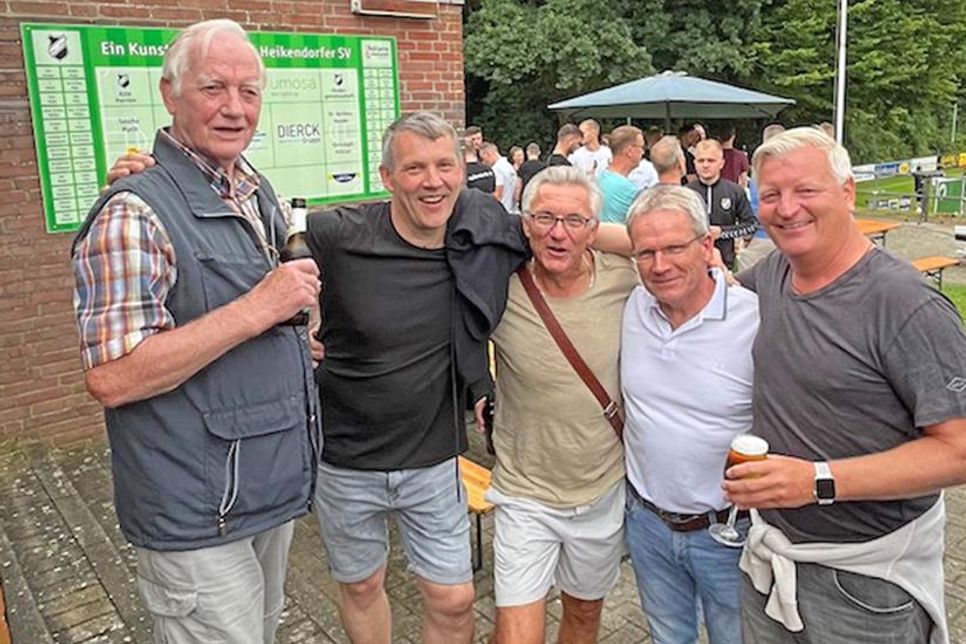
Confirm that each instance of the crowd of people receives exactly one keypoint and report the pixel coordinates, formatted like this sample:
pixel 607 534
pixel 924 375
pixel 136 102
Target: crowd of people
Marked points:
pixel 627 362
pixel 621 165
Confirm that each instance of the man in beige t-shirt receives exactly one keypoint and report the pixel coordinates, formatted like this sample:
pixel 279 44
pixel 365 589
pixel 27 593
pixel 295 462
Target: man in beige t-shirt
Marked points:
pixel 558 481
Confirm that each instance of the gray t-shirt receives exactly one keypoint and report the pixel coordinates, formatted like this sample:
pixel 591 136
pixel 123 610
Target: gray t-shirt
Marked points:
pixel 858 367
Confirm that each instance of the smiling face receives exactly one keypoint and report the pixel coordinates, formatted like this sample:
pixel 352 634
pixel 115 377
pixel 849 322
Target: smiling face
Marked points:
pixel 674 263
pixel 425 182
pixel 560 250
pixel 806 211
pixel 217 110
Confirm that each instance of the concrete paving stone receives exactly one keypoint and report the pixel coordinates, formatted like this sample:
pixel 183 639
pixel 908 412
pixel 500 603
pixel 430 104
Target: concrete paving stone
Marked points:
pixel 100 625
pixel 79 614
pixel 79 597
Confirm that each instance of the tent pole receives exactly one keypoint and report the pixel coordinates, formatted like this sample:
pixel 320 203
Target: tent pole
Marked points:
pixel 667 118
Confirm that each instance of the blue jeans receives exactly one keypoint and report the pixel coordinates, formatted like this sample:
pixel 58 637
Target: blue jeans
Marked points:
pixel 676 570
pixel 839 607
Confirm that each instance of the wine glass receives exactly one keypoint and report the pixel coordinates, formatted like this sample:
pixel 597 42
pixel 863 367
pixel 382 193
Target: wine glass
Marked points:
pixel 744 448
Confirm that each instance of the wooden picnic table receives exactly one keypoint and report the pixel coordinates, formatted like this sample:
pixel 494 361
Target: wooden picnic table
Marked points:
pixel 876 230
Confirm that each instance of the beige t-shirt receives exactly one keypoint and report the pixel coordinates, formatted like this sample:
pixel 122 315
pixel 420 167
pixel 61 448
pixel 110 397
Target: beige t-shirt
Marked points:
pixel 553 444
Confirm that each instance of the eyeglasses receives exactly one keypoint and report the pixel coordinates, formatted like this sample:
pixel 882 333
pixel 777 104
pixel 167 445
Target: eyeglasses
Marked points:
pixel 647 255
pixel 545 221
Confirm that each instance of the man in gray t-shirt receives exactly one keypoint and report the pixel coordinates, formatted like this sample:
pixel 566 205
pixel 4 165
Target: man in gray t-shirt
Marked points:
pixel 860 373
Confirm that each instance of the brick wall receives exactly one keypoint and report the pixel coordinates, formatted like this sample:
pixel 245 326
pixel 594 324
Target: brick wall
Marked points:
pixel 42 392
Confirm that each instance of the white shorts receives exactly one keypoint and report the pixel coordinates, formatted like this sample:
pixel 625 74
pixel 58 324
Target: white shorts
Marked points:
pixel 577 549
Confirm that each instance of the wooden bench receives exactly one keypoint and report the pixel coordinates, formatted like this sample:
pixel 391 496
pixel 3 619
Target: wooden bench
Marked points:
pixel 934 266
pixel 476 479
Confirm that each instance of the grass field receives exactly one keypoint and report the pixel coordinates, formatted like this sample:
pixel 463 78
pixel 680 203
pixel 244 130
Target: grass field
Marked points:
pixel 890 187
pixel 957 293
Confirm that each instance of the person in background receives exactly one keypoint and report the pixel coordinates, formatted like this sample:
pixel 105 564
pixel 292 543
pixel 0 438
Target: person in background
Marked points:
pixel 591 157
pixel 506 176
pixel 736 164
pixel 689 136
pixel 726 202
pixel 652 135
pixel 627 143
pixel 516 157
pixel 479 175
pixel 569 137
pixel 474 136
pixel 182 309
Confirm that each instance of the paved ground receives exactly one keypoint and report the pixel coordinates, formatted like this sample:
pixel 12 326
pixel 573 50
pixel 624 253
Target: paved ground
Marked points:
pixel 69 576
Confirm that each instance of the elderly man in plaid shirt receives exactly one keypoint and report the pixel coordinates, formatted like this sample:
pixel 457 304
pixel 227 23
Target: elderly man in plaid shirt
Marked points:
pixel 182 309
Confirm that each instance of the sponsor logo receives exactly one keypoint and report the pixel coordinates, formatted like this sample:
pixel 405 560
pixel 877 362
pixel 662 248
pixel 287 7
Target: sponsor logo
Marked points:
pixel 343 177
pixel 957 384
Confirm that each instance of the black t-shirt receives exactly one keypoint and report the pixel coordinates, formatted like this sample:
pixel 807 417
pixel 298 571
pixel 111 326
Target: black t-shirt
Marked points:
pixel 689 163
pixel 529 168
pixel 480 176
pixel 386 381
pixel 557 159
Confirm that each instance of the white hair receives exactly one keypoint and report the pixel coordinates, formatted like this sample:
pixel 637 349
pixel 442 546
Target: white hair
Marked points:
pixel 665 196
pixel 805 137
pixel 181 53
pixel 562 175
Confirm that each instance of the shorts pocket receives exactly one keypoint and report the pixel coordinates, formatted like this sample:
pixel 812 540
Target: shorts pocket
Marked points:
pixel 872 594
pixel 162 601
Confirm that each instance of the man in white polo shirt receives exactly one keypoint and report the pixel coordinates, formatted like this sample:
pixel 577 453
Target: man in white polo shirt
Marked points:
pixel 506 176
pixel 686 377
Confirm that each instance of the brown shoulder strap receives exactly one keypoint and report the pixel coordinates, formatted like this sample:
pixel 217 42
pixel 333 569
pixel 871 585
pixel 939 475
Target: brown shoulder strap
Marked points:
pixel 611 409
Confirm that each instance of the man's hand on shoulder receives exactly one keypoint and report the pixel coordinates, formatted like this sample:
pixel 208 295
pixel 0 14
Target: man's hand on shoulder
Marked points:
pixel 128 164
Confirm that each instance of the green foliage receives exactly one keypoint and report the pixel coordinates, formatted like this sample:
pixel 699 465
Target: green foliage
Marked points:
pixel 904 65
pixel 906 61
pixel 529 55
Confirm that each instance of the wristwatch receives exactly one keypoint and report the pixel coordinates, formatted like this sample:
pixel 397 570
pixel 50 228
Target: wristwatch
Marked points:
pixel 824 484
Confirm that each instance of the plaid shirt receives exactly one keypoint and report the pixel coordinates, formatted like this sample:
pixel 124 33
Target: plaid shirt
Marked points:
pixel 126 266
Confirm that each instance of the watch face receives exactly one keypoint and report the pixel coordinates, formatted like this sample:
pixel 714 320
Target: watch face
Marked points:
pixel 825 489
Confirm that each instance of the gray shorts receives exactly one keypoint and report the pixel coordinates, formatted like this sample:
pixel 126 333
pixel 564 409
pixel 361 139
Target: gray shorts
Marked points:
pixel 232 593
pixel 428 503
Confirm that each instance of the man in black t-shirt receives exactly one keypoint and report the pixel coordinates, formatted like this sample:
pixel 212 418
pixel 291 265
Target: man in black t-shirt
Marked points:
pixel 478 175
pixel 569 137
pixel 531 166
pixel 412 288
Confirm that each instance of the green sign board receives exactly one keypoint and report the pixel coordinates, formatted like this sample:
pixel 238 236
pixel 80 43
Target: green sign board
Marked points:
pixel 94 94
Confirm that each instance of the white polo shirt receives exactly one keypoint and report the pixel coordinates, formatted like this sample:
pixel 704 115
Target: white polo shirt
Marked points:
pixel 687 393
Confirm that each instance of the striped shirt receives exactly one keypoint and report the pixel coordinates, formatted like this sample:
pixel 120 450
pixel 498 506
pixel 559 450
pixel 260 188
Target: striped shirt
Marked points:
pixel 125 266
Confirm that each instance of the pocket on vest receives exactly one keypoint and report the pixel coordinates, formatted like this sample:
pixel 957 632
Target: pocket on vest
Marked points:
pixel 257 458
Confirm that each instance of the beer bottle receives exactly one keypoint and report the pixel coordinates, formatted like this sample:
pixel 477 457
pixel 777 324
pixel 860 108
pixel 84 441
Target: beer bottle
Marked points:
pixel 296 247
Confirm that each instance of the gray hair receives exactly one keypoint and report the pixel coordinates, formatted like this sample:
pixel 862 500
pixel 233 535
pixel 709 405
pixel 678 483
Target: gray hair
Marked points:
pixel 664 196
pixel 425 124
pixel 178 56
pixel 563 175
pixel 805 137
pixel 772 129
pixel 667 155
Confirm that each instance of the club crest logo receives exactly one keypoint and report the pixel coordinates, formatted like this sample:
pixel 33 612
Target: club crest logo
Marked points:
pixel 57 46
pixel 726 203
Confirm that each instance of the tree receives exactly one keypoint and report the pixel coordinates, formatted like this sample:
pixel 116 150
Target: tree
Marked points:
pixel 522 56
pixel 905 62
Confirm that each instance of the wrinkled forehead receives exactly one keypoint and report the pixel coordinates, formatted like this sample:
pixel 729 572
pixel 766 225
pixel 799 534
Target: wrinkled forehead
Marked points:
pixel 562 199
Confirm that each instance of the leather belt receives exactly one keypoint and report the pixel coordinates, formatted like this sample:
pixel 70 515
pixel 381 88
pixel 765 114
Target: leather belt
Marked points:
pixel 685 522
